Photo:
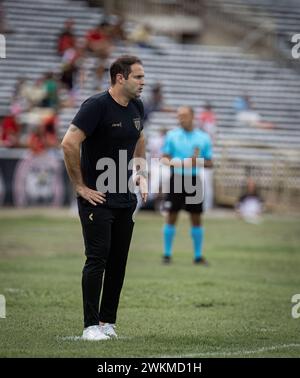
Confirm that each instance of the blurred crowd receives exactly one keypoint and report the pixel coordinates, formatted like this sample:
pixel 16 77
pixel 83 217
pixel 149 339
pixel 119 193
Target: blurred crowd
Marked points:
pixel 32 119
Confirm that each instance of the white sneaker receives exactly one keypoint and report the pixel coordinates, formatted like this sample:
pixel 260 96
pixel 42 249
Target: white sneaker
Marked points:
pixel 94 333
pixel 109 330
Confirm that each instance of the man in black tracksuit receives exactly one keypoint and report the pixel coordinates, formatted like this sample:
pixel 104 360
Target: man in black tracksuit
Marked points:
pixel 107 130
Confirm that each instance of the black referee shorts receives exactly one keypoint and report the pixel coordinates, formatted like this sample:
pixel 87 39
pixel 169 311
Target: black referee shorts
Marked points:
pixel 180 191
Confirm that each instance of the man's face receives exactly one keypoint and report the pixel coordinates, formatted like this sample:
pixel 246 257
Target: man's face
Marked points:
pixel 133 86
pixel 185 117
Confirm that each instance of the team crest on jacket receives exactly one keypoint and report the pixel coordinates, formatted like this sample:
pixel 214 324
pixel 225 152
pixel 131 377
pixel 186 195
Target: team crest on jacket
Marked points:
pixel 137 123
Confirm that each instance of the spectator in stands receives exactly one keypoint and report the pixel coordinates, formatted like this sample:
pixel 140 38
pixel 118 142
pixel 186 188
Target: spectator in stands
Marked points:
pixel 49 130
pixel 37 93
pixel 20 101
pixel 41 93
pixel 66 39
pixel 250 204
pixel 70 66
pixel 51 99
pixel 247 115
pixel 118 33
pixel 36 140
pixel 155 102
pixel 35 97
pixel 9 131
pixel 37 117
pixel 208 121
pixel 98 40
pixel 142 37
pixel 242 103
pixel 42 135
pixel 72 61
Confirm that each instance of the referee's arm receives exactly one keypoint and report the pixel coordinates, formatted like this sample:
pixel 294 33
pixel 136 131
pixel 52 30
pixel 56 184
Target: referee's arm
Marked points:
pixel 71 144
pixel 187 162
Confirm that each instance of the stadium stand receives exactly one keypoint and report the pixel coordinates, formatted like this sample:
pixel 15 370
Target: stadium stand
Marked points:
pixel 281 16
pixel 191 75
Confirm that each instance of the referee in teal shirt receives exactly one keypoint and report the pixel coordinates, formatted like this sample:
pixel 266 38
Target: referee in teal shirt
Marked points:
pixel 183 148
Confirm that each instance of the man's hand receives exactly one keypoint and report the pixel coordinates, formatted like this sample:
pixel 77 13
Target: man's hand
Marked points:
pixel 142 182
pixel 193 162
pixel 189 162
pixel 92 196
pixel 196 152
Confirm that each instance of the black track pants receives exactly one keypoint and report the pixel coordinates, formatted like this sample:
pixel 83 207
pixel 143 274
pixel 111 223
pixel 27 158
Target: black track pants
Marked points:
pixel 107 234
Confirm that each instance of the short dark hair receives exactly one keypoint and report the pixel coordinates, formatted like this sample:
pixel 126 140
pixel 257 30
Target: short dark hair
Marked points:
pixel 123 66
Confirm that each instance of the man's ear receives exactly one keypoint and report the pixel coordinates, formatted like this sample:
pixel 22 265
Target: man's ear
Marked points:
pixel 119 78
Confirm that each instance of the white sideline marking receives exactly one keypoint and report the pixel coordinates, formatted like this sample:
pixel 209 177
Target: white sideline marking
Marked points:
pixel 207 354
pixel 232 353
pixel 78 338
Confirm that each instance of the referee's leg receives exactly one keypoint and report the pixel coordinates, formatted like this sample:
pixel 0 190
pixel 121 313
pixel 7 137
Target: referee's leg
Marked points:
pixel 121 233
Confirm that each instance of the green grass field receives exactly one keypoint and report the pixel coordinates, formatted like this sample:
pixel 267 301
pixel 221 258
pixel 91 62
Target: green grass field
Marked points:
pixel 239 306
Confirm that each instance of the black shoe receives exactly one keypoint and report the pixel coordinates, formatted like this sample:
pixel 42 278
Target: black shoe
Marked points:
pixel 166 260
pixel 201 261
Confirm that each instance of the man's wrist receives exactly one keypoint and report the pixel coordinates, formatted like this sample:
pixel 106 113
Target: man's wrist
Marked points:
pixel 143 173
pixel 79 187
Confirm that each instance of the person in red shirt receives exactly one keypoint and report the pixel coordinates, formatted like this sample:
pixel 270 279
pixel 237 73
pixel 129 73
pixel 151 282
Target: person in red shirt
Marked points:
pixel 36 141
pixel 66 39
pixel 208 120
pixel 10 131
pixel 98 40
pixel 49 130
